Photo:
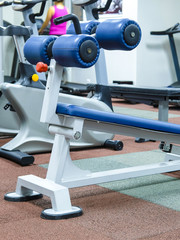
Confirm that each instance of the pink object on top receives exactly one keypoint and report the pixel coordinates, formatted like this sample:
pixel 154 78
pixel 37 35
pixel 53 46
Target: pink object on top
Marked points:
pixel 61 28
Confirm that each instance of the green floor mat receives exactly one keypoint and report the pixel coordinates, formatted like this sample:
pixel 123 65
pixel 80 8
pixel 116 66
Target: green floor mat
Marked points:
pixel 140 113
pixel 160 189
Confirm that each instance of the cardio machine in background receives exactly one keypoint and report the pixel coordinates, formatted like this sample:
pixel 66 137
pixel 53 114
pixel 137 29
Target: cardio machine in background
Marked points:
pixel 9 120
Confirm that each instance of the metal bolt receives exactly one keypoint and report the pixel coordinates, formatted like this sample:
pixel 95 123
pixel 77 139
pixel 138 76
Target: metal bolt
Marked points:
pixel 77 135
pixel 89 50
pixel 133 34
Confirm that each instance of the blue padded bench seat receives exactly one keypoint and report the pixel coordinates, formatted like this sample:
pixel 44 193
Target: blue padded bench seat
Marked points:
pixel 110 117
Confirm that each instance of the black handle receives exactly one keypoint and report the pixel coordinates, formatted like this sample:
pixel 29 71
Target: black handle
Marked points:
pixel 172 30
pixel 104 9
pixel 67 18
pixel 40 13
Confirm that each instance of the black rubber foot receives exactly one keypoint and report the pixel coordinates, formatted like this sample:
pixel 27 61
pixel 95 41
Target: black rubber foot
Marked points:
pixel 114 144
pixel 13 197
pixel 141 140
pixel 49 214
pixel 17 156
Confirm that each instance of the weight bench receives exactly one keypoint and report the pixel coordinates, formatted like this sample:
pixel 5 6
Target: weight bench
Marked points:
pixel 63 174
pixel 113 118
pixel 148 95
pixel 68 122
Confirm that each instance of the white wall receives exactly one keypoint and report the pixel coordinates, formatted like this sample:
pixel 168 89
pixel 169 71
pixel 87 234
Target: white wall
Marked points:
pixel 154 61
pixel 151 63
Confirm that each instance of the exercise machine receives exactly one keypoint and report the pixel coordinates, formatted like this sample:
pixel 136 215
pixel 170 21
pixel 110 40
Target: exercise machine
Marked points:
pixel 26 8
pixel 33 136
pixel 13 76
pixel 67 121
pixel 9 120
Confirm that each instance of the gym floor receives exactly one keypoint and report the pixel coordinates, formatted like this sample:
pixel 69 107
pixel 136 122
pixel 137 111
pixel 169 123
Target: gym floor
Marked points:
pixel 141 208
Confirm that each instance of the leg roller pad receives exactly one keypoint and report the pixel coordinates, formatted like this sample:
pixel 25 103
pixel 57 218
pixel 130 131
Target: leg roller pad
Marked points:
pixel 36 49
pixel 14 197
pixel 50 214
pixel 76 51
pixel 122 34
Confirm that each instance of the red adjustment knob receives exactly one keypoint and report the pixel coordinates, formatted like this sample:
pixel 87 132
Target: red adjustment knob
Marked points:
pixel 41 67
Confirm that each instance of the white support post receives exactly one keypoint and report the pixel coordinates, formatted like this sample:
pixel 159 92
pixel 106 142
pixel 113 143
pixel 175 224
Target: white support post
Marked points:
pixel 51 93
pixel 58 158
pixel 101 69
pixel 60 164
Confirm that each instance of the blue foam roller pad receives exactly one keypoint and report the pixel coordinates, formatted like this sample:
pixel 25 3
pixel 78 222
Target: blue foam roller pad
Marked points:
pixel 76 50
pixel 88 27
pixel 35 49
pixel 118 34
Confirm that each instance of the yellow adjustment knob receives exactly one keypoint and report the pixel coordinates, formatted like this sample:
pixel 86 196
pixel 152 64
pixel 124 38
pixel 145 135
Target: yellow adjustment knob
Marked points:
pixel 35 77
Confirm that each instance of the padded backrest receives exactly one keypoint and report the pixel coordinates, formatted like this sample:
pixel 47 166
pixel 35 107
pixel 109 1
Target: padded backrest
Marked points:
pixel 110 117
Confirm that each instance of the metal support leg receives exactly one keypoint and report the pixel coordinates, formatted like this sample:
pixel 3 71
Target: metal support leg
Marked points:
pixel 163 110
